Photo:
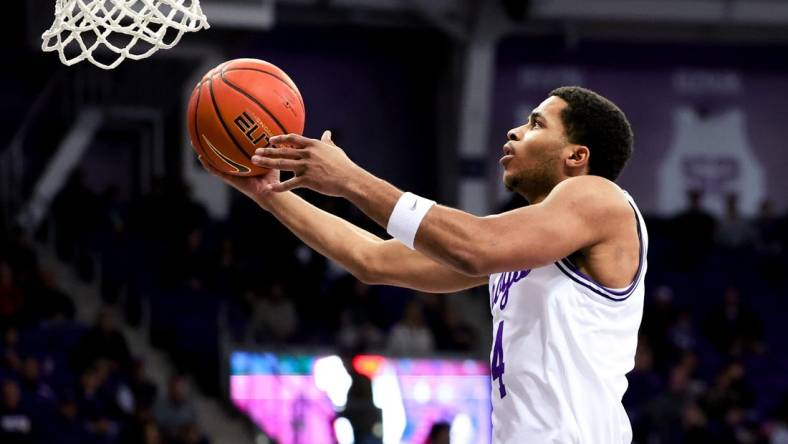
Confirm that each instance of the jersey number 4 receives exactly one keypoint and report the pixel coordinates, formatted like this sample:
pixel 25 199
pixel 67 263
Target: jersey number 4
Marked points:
pixel 496 366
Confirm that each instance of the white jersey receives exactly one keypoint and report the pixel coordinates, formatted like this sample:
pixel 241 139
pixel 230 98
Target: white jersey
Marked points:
pixel 562 345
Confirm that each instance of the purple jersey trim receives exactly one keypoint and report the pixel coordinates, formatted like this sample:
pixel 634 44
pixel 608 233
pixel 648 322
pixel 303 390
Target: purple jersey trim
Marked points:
pixel 569 269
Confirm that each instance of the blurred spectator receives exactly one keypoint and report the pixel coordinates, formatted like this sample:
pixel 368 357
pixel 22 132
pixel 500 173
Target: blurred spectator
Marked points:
pixel 682 333
pixel 151 434
pixel 66 426
pixel 659 315
pixel 227 276
pixel 32 384
pixel 134 430
pixel 454 332
pixel 11 358
pixel 768 227
pixel 75 210
pixel 21 256
pixel 772 243
pixel 695 426
pixel 644 382
pixel 92 401
pixel 12 299
pixel 51 303
pixel 439 433
pixel 360 410
pixel 142 388
pixel 735 428
pixel 730 391
pixel 191 263
pixel 693 230
pixel 16 423
pixel 361 302
pixel 114 245
pixel 778 433
pixel 190 434
pixel 358 338
pixel 733 231
pixel 664 413
pixel 274 317
pixel 363 316
pixel 176 409
pixel 105 341
pixel 410 336
pixel 734 328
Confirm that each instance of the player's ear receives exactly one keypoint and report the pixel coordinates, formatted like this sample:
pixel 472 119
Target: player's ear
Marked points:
pixel 579 157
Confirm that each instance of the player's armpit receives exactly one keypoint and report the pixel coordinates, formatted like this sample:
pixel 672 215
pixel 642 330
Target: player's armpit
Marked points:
pixel 392 263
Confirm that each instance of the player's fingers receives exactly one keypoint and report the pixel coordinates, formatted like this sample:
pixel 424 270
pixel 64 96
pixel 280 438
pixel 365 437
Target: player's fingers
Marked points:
pixel 293 140
pixel 277 164
pixel 290 184
pixel 280 153
pixel 326 138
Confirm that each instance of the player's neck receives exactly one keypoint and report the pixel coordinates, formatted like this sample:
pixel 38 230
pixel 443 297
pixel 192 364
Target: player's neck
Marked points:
pixel 534 198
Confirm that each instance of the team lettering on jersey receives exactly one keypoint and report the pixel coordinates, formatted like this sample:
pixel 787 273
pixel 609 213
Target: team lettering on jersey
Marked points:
pixel 500 289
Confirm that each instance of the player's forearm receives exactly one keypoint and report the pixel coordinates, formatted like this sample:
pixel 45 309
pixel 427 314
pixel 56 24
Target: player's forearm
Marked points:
pixel 363 254
pixel 446 235
pixel 324 232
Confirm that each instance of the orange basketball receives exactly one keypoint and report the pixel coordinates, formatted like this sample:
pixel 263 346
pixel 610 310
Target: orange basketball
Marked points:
pixel 236 108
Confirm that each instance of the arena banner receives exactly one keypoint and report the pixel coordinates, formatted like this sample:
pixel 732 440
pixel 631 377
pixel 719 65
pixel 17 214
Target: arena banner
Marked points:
pixel 718 130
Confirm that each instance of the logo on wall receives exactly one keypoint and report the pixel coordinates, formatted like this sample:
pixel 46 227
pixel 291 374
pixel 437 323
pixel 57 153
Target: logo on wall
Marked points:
pixel 710 153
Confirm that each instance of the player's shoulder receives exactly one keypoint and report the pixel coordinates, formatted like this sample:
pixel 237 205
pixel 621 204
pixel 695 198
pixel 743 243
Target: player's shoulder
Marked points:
pixel 588 186
pixel 594 195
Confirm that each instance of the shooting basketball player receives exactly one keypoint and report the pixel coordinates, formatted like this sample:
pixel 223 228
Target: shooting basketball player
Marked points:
pixel 565 273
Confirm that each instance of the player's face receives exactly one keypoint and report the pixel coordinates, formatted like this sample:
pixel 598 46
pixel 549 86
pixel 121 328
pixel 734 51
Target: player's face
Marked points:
pixel 532 160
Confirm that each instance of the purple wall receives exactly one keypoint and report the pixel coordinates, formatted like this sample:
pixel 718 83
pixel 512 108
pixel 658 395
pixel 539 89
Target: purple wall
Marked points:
pixel 709 124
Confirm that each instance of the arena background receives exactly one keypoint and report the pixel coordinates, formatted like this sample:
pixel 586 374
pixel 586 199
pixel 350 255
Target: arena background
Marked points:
pixel 142 301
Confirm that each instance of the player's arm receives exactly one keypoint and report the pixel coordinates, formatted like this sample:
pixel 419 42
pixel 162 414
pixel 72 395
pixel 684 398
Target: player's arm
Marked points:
pixel 577 214
pixel 366 256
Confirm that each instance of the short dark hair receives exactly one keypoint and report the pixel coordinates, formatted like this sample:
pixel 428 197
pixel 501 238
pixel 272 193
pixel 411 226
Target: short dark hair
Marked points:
pixel 596 122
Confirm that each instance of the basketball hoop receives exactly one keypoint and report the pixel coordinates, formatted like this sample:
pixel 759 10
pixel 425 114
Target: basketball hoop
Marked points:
pixel 132 29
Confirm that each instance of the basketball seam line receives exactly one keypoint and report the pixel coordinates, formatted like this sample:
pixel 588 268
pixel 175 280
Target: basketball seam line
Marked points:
pixel 224 125
pixel 196 124
pixel 258 103
pixel 203 151
pixel 288 84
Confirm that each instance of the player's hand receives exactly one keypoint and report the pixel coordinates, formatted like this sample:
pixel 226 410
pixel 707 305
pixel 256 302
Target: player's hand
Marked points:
pixel 317 164
pixel 255 187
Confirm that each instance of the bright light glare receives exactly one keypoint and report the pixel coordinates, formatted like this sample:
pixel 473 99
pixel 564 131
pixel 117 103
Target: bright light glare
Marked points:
pixel 445 393
pixel 386 395
pixel 332 378
pixel 461 431
pixel 422 392
pixel 343 431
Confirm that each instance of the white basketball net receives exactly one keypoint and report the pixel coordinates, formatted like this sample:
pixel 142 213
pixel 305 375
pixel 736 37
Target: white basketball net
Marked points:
pixel 132 29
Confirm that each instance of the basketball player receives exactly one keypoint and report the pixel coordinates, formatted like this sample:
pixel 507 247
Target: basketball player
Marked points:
pixel 565 273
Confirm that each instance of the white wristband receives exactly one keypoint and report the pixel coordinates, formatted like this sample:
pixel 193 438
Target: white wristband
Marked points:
pixel 407 215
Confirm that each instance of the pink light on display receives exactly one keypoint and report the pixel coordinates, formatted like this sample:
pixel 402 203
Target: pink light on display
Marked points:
pixel 280 395
pixel 289 408
pixel 430 391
